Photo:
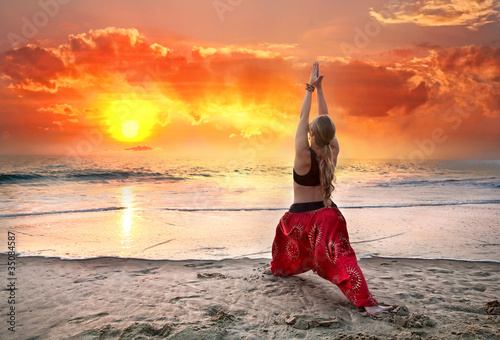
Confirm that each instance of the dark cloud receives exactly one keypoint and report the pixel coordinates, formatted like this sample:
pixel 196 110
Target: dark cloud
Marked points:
pixel 363 89
pixel 469 58
pixel 33 64
pixel 140 148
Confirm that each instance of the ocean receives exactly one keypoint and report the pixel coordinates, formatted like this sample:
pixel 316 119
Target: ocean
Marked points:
pixel 152 207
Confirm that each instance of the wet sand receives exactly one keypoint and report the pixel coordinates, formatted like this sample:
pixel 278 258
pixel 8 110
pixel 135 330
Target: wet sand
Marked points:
pixel 113 298
pixel 469 232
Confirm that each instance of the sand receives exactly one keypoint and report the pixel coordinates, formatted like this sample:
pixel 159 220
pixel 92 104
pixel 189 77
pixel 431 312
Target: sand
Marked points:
pixel 112 298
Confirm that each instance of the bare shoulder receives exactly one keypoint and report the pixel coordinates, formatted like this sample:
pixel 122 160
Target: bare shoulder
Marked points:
pixel 334 144
pixel 302 162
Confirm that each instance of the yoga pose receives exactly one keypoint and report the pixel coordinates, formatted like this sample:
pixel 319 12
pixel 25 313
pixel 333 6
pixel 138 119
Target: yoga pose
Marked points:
pixel 313 233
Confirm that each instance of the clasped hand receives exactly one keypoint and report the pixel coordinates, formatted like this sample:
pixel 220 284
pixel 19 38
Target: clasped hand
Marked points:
pixel 316 78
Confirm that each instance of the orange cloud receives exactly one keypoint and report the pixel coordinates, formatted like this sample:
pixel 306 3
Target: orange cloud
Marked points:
pixel 363 89
pixel 461 115
pixel 33 68
pixel 60 109
pixel 232 94
pixel 469 13
pixel 457 73
pixel 234 50
pixel 233 88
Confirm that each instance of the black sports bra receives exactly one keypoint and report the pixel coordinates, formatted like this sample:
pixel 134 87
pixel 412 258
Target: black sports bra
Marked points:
pixel 311 179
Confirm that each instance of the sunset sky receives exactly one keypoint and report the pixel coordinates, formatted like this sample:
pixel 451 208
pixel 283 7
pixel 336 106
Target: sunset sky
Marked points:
pixel 403 79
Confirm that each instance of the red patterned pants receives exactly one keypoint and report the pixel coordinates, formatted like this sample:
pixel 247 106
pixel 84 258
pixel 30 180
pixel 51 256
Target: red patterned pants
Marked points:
pixel 318 240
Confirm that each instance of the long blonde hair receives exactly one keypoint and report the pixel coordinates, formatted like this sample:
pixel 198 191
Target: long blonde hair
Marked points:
pixel 324 131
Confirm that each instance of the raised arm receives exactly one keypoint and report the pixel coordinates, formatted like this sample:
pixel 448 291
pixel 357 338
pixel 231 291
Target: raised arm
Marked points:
pixel 320 96
pixel 323 110
pixel 301 140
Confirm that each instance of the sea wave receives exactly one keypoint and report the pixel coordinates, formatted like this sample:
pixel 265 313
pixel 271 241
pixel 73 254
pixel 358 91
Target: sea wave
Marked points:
pixel 13 178
pixel 181 209
pixel 492 182
pixel 428 204
pixel 110 175
pixel 88 176
pixel 60 212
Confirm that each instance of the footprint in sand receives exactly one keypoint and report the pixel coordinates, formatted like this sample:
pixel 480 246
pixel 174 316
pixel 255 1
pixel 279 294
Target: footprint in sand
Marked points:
pixel 493 307
pixel 433 300
pixel 203 264
pixel 402 295
pixel 134 331
pixel 478 288
pixel 211 276
pixel 386 278
pixel 440 270
pixel 275 291
pixel 90 278
pixel 304 322
pixel 140 331
pixel 145 271
pixel 180 298
pixel 220 314
pixel 198 332
pixel 482 274
pixel 417 296
pixel 82 319
pixel 411 275
pixel 401 317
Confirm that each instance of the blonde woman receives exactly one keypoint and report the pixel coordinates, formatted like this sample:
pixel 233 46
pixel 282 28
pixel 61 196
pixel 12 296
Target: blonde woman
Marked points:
pixel 313 233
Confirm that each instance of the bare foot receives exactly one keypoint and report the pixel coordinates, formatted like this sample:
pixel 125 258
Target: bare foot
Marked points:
pixel 377 309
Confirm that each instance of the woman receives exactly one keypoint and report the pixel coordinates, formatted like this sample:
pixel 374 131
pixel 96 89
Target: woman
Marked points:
pixel 313 234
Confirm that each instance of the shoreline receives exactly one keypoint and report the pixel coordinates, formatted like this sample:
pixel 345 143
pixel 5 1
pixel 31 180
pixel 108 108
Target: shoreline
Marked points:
pixel 118 298
pixel 361 257
pixel 464 233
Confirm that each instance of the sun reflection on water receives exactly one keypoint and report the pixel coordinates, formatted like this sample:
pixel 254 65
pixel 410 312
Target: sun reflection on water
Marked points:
pixel 127 227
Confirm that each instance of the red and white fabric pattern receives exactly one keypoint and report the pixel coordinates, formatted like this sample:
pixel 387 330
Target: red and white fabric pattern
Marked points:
pixel 318 240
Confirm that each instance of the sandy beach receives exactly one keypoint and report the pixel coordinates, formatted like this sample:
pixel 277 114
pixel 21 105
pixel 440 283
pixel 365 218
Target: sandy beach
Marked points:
pixel 113 298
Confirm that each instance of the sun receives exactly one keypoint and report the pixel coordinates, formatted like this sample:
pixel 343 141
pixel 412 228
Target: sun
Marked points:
pixel 131 120
pixel 130 128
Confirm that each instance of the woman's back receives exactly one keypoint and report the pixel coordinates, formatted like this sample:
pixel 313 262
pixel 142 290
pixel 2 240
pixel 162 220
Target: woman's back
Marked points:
pixel 305 166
